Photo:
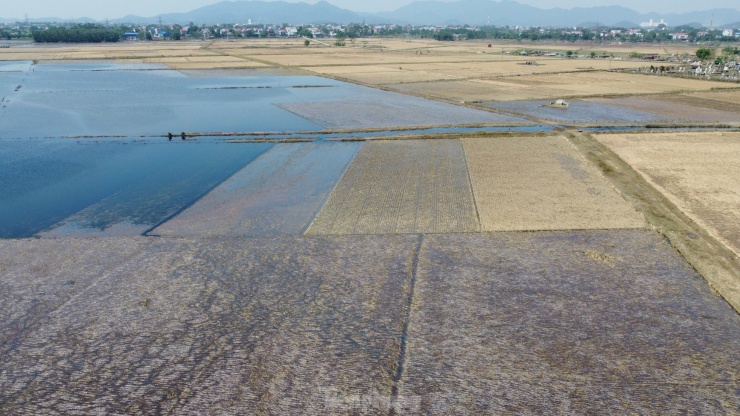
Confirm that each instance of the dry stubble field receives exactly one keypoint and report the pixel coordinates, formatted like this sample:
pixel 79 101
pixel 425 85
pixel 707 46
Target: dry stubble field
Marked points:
pixel 542 183
pixel 697 171
pixel 408 186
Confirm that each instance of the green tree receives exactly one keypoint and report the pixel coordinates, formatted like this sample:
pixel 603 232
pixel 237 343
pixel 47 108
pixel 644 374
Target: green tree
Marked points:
pixel 729 51
pixel 306 42
pixel 704 53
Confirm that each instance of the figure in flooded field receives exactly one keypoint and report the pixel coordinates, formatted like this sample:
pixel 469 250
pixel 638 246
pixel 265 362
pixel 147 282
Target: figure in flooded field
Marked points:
pixel 182 135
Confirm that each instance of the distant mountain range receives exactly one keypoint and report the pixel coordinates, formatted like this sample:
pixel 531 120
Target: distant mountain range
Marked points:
pixel 433 12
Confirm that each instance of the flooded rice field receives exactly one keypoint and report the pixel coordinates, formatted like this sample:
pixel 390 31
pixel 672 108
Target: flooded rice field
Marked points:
pixel 678 108
pixel 580 112
pixel 63 187
pixel 386 109
pixel 280 193
pixel 103 99
pixel 125 100
pixel 605 321
pixel 85 152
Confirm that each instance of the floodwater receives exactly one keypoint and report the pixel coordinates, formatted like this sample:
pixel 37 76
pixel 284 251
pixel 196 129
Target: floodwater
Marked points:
pixel 129 100
pixel 67 187
pixel 84 151
pixel 280 193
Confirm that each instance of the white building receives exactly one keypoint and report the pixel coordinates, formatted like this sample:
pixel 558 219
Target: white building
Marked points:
pixel 652 24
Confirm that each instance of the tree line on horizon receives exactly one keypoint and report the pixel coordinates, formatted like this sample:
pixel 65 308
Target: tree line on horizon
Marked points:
pixel 80 33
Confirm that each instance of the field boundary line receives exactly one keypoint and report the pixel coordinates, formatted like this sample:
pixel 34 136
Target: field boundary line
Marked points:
pixel 470 183
pixel 404 335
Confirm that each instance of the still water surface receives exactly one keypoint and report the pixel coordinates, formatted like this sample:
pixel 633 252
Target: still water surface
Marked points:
pixel 90 187
pixel 56 181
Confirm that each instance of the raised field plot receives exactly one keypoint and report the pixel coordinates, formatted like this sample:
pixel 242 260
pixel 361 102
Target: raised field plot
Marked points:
pixel 542 183
pixel 279 326
pixel 697 171
pixel 278 194
pixel 402 187
pixel 604 322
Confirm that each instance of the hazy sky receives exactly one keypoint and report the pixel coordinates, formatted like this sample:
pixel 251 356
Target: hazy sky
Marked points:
pixel 97 9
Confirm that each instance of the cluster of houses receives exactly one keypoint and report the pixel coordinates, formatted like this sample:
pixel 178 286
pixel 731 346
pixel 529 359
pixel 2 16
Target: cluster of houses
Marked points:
pixel 726 33
pixel 249 30
pixel 721 71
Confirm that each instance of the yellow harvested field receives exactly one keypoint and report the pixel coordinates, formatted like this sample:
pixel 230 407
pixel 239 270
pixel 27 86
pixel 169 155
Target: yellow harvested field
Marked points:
pixel 542 183
pixel 476 90
pixel 513 67
pixel 405 186
pixel 355 56
pixel 699 172
pixel 560 85
pixel 123 50
pixel 206 62
pixel 594 83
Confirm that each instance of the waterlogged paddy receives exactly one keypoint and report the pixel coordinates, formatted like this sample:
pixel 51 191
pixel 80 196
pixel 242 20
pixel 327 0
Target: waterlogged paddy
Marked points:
pixel 580 112
pixel 125 100
pixel 57 181
pixel 66 187
pixel 105 99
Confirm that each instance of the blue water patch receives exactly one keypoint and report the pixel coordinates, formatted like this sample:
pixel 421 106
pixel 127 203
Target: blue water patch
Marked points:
pixel 82 187
pixel 15 66
pixel 64 100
